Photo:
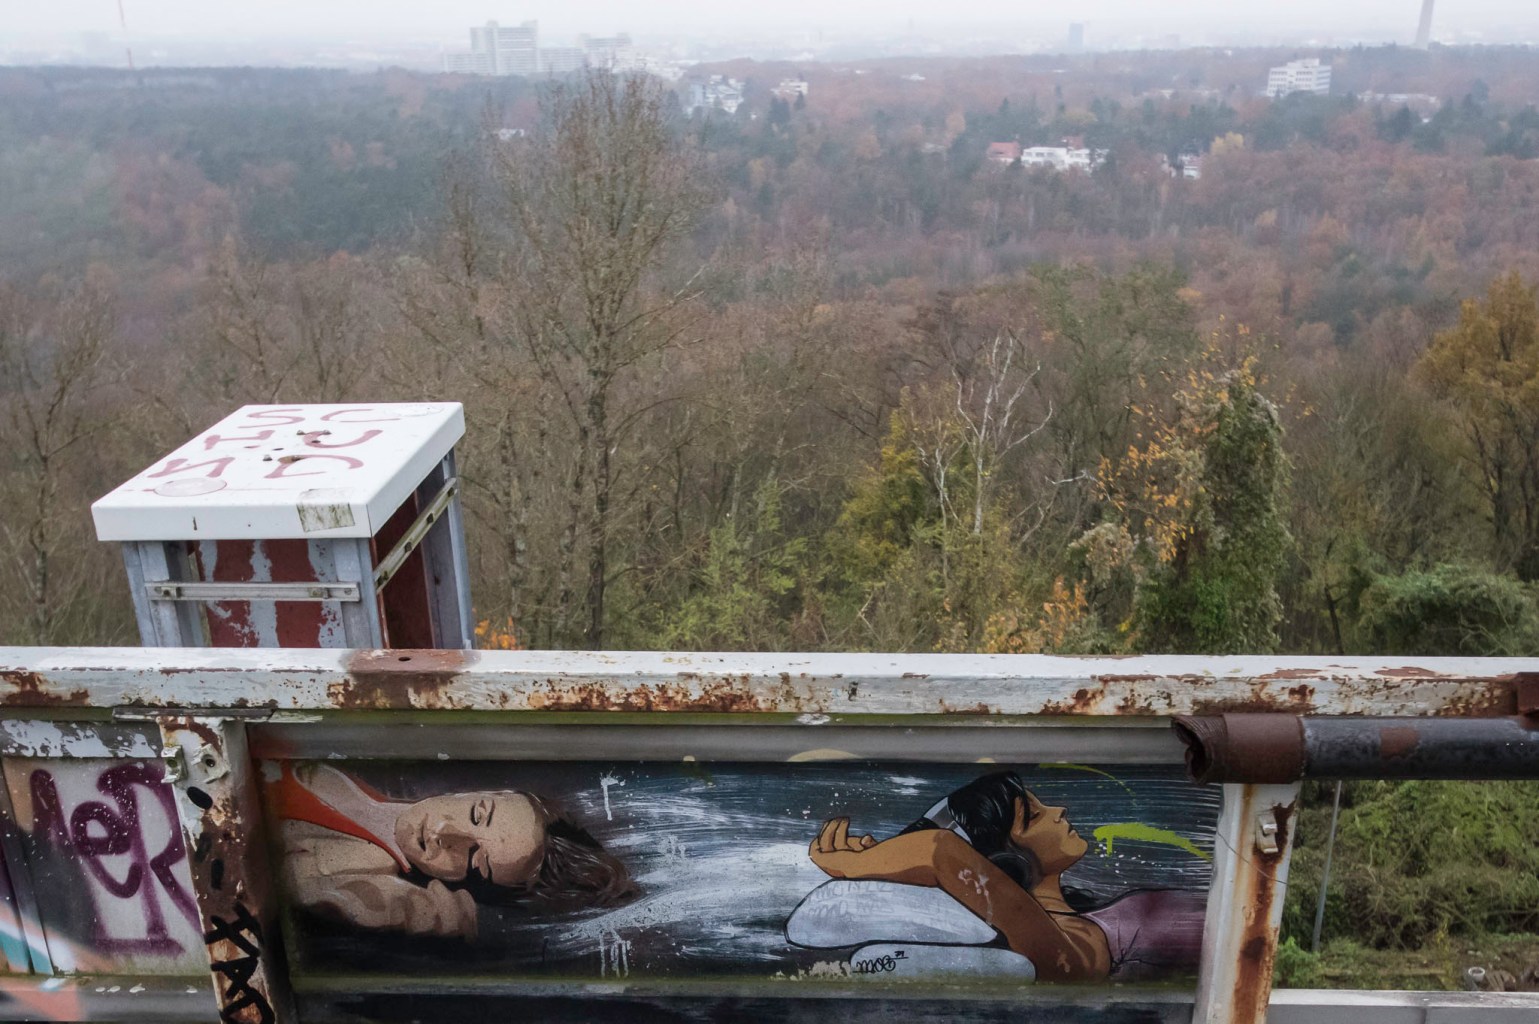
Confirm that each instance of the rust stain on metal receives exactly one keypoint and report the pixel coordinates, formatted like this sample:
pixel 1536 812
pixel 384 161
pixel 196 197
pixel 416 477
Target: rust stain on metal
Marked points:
pixel 977 709
pixel 1483 698
pixel 29 689
pixel 687 695
pixel 399 678
pixel 1291 673
pixel 1258 947
pixel 205 732
pixel 1293 700
pixel 1409 672
pixel 1084 702
pixel 1527 685
pixel 1396 741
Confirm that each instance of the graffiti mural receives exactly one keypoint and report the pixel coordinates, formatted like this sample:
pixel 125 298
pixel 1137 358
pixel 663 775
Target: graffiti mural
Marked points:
pixel 1030 873
pixel 426 866
pixel 108 865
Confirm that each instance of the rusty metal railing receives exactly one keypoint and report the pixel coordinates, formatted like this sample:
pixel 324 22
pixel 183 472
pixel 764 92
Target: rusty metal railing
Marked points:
pixel 210 718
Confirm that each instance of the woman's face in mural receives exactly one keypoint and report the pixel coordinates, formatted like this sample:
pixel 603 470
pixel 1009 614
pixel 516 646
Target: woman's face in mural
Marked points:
pixel 499 837
pixel 1043 831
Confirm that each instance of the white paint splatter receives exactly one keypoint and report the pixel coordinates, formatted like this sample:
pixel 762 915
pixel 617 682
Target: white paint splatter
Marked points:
pixel 606 781
pixel 674 851
pixel 812 719
pixel 614 955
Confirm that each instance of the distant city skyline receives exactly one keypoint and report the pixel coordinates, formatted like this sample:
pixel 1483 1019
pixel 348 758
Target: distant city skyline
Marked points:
pixel 334 18
pixel 364 35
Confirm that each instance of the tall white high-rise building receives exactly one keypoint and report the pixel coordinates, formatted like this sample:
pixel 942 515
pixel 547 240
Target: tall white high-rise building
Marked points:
pixel 518 49
pixel 499 50
pixel 1299 76
pixel 607 51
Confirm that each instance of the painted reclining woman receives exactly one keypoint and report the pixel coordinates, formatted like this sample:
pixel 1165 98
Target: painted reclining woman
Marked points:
pixel 424 867
pixel 993 847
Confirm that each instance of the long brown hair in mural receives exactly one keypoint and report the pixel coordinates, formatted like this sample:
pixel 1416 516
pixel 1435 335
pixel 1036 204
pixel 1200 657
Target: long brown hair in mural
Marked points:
pixel 424 867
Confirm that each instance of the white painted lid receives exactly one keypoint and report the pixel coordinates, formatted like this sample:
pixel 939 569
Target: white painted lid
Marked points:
pixel 269 471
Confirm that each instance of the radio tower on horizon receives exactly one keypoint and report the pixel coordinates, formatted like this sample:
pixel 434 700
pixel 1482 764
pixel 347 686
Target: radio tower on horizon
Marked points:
pixel 1424 30
pixel 123 24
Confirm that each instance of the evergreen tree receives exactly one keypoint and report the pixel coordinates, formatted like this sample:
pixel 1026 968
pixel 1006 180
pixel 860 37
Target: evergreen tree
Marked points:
pixel 1217 593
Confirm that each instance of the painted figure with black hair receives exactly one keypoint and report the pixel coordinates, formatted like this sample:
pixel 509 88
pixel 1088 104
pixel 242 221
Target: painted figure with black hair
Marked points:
pixel 997 850
pixel 424 867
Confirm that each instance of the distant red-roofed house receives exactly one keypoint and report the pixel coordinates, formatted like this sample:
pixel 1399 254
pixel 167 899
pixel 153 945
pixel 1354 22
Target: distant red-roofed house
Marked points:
pixel 1005 152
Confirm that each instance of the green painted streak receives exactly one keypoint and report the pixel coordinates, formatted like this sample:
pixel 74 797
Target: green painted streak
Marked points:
pixel 1087 768
pixel 1139 832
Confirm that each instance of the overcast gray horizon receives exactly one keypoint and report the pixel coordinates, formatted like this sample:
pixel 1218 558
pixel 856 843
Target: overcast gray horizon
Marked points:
pixel 358 18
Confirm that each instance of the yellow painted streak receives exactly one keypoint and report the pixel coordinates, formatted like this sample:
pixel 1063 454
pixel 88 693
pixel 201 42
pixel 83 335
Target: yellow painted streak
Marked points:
pixel 822 754
pixel 1087 768
pixel 1139 832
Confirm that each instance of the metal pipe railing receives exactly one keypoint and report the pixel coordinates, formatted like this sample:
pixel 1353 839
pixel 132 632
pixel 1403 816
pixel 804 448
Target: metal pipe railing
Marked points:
pixel 1270 748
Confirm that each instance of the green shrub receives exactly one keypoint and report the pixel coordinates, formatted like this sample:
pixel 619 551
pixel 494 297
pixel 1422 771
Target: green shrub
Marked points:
pixel 1416 861
pixel 1295 967
pixel 1448 610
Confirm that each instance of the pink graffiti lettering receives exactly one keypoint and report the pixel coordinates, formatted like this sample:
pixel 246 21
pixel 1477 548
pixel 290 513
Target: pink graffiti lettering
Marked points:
pixel 313 439
pixel 213 439
pixel 97 829
pixel 335 416
pixel 183 465
pixel 287 416
pixel 284 467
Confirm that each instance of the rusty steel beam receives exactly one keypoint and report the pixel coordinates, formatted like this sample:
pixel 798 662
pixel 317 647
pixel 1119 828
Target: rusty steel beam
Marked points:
pixel 209 764
pixel 800 684
pixel 1265 748
pixel 1245 904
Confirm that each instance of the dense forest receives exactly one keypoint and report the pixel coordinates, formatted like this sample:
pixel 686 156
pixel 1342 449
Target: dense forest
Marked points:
pixel 819 375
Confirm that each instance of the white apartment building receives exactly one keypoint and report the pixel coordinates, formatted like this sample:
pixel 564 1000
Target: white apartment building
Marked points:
pixel 498 50
pixel 562 60
pixel 1299 76
pixel 470 63
pixel 717 93
pixel 613 52
pixel 1062 158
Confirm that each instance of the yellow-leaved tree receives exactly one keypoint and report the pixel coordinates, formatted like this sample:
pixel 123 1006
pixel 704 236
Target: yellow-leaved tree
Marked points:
pixel 1486 372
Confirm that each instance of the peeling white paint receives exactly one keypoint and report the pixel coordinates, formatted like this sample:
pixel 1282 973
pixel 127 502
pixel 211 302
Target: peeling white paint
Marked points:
pixel 31 738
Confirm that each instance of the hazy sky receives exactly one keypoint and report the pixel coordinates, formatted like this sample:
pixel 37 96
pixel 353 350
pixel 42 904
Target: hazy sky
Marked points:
pixel 439 17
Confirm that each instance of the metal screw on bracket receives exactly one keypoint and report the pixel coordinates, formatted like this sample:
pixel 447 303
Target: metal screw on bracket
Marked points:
pixel 210 765
pixel 1266 832
pixel 175 764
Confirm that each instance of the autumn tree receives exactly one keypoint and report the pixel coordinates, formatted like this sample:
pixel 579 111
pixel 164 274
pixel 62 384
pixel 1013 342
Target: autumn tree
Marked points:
pixel 1486 371
pixel 945 512
pixel 1199 525
pixel 53 344
pixel 595 200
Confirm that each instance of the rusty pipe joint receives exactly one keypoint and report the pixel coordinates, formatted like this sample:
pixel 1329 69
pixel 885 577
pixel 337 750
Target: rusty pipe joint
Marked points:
pixel 1274 748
